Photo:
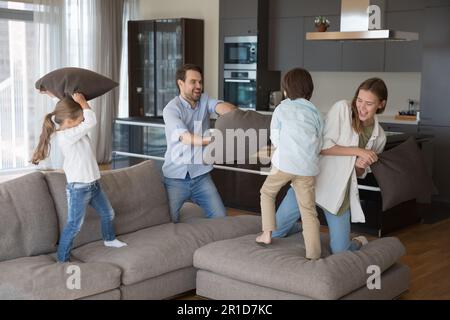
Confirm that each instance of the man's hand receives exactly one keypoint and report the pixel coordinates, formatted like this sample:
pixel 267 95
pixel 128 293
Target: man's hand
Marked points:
pixel 224 107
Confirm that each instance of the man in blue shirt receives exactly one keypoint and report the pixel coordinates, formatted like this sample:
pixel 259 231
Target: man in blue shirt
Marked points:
pixel 186 119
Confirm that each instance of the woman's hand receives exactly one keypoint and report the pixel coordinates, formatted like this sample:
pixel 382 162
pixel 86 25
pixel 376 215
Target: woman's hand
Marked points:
pixel 361 163
pixel 367 156
pixel 81 100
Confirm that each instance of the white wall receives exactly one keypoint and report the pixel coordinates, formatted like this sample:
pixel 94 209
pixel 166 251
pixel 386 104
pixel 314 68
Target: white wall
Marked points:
pixel 330 87
pixel 208 10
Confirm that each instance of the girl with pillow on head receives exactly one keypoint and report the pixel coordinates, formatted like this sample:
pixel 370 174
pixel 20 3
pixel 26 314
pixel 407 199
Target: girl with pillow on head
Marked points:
pixel 76 119
pixel 352 138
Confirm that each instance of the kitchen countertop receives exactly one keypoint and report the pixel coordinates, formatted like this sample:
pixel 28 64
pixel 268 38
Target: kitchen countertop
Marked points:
pixel 382 118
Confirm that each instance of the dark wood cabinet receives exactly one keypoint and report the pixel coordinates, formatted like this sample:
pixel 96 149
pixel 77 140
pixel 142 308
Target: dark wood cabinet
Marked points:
pixel 156 49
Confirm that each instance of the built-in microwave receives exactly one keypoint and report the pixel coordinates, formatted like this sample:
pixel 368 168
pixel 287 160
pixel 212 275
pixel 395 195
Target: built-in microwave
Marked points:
pixel 241 52
pixel 240 88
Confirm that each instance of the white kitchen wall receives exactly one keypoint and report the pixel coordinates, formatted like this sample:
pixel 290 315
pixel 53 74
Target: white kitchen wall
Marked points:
pixel 208 10
pixel 334 86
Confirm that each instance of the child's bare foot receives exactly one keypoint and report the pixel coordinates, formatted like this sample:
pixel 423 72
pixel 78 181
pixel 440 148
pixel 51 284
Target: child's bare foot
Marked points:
pixel 265 237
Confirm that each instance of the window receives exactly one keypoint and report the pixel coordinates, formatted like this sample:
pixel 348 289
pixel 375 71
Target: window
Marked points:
pixel 17 44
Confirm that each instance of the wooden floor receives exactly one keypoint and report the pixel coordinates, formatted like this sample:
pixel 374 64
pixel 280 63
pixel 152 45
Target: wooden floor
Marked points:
pixel 427 254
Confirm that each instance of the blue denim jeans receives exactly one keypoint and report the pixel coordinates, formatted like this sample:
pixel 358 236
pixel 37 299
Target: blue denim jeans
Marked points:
pixel 288 214
pixel 200 190
pixel 79 195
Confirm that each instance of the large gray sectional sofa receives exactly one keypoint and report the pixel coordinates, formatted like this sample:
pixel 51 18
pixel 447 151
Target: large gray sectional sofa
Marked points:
pixel 219 257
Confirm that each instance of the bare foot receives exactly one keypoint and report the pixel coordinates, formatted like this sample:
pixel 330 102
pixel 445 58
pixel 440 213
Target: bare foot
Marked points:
pixel 265 237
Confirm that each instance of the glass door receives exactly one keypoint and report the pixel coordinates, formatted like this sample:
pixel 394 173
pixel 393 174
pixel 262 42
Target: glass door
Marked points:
pixel 169 57
pixel 142 68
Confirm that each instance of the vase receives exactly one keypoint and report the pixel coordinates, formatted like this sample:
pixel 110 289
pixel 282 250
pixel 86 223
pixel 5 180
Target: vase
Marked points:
pixel 321 27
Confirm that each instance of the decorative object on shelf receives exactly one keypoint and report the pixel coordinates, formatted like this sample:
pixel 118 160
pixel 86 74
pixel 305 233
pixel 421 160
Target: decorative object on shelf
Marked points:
pixel 321 23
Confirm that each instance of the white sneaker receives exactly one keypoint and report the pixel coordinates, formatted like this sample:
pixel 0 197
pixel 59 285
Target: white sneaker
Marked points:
pixel 115 244
pixel 361 239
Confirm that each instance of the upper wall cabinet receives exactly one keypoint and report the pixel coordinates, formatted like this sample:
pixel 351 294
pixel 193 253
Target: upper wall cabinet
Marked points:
pixel 360 56
pixel 285 53
pixel 405 56
pixel 303 8
pixel 321 55
pixel 232 9
pixel 437 3
pixel 402 5
pixel 239 27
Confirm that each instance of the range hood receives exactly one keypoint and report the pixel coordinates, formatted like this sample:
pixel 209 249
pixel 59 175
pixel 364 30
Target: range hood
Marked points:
pixel 355 26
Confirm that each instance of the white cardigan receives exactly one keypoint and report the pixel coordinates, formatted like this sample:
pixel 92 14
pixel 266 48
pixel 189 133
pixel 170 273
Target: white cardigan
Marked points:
pixel 335 171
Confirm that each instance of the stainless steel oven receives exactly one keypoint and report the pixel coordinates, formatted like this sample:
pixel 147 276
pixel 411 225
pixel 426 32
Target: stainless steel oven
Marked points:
pixel 241 52
pixel 240 88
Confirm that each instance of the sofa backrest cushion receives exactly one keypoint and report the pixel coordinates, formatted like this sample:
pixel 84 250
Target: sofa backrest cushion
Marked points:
pixel 28 221
pixel 137 196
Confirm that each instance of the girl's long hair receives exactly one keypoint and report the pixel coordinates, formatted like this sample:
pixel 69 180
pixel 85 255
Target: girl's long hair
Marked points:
pixel 66 108
pixel 378 88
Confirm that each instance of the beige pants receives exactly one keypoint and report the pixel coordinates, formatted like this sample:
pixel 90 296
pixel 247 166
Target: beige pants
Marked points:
pixel 304 188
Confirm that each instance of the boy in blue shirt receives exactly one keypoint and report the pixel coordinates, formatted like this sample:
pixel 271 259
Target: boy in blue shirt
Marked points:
pixel 296 133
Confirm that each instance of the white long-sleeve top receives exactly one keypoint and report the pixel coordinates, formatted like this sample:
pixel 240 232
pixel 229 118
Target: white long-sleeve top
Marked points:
pixel 335 171
pixel 80 164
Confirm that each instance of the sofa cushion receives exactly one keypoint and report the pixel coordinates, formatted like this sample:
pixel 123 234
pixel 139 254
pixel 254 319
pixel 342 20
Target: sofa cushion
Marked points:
pixel 402 174
pixel 161 249
pixel 210 230
pixel 283 266
pixel 150 252
pixel 28 222
pixel 36 278
pixel 67 81
pixel 137 196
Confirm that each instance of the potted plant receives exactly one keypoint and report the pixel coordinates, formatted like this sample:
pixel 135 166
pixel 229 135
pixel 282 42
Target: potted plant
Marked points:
pixel 321 23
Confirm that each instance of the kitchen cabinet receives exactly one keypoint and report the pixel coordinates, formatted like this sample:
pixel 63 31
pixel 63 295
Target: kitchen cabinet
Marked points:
pixel 405 56
pixel 403 5
pixel 396 127
pixel 240 27
pixel 234 9
pixel 435 93
pixel 441 157
pixel 303 8
pixel 284 54
pixel 437 3
pixel 363 56
pixel 321 55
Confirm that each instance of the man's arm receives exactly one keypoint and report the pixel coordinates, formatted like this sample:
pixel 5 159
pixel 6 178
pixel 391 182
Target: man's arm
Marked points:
pixel 224 107
pixel 195 140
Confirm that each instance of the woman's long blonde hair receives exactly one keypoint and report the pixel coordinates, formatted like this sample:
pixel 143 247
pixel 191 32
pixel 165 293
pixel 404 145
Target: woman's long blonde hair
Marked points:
pixel 66 108
pixel 378 88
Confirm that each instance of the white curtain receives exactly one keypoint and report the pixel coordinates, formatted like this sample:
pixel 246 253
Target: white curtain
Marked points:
pixel 85 34
pixel 130 12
